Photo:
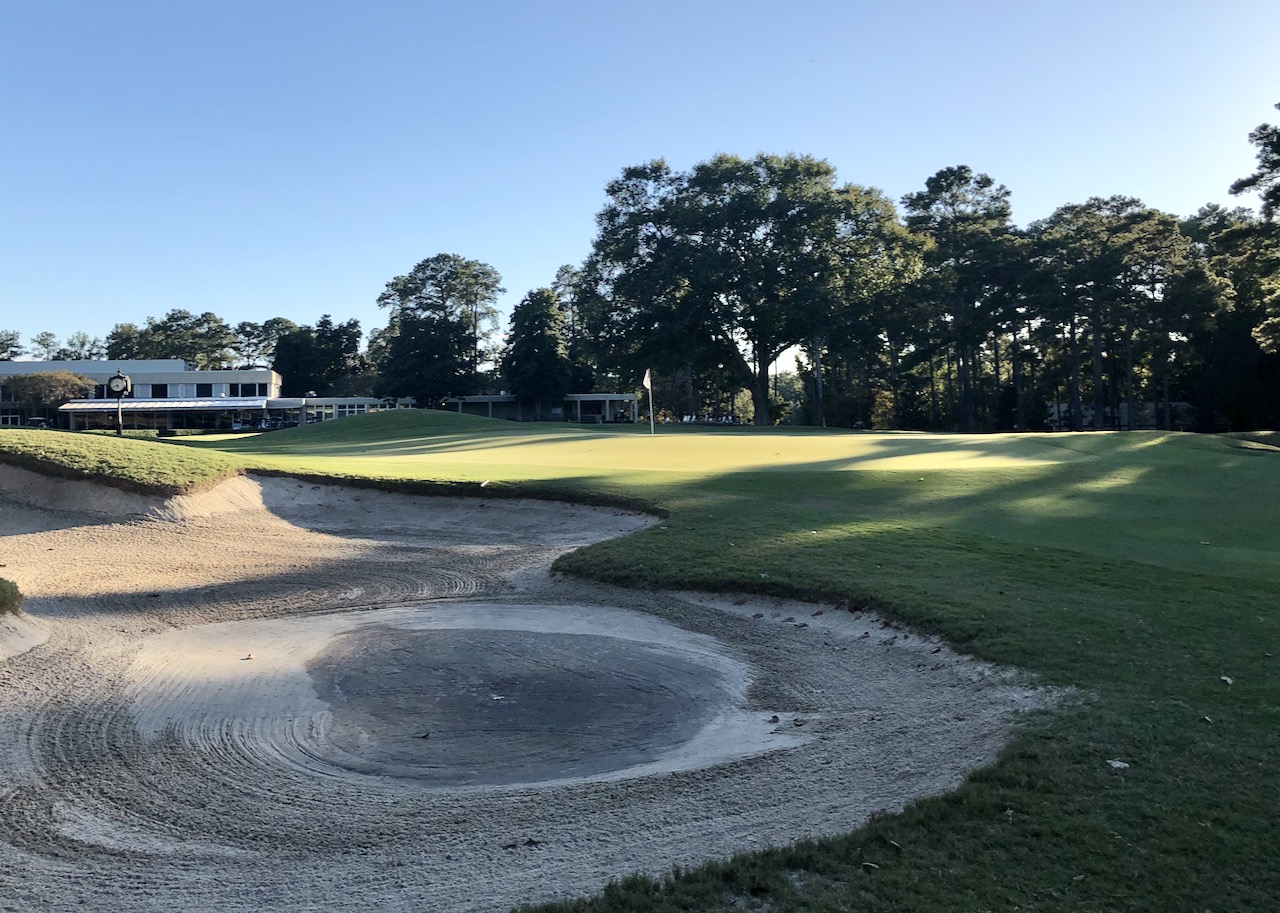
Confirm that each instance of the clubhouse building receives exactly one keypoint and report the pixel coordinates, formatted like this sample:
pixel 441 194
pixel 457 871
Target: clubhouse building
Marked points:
pixel 168 395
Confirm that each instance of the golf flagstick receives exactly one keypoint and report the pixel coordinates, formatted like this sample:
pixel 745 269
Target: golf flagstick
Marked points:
pixel 648 385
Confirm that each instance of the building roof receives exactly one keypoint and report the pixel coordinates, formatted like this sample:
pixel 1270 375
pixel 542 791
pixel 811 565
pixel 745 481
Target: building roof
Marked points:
pixel 95 366
pixel 165 405
pixel 156 370
pixel 568 398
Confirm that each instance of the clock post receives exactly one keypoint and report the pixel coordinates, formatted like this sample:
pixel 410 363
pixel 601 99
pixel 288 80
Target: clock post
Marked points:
pixel 118 386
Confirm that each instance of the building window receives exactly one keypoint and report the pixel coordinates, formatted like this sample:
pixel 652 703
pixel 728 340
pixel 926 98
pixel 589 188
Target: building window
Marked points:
pixel 159 391
pixel 204 391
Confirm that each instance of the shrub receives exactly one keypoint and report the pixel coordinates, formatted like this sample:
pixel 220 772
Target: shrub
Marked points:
pixel 10 597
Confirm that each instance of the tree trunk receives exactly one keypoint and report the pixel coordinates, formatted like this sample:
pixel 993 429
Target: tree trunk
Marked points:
pixel 933 395
pixel 816 346
pixel 760 394
pixel 1015 368
pixel 1130 422
pixel 688 396
pixel 893 383
pixel 1077 408
pixel 964 384
pixel 1099 392
pixel 952 381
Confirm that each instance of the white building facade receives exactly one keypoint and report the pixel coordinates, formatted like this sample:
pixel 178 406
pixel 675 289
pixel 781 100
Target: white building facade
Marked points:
pixel 167 395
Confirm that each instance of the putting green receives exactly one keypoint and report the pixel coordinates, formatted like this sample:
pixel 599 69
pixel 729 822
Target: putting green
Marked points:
pixel 576 452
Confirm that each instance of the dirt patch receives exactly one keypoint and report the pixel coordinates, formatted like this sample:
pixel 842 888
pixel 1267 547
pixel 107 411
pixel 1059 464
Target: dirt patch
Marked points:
pixel 228 706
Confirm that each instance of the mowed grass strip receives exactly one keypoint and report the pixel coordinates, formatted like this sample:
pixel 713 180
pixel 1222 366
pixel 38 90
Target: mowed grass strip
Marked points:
pixel 1138 568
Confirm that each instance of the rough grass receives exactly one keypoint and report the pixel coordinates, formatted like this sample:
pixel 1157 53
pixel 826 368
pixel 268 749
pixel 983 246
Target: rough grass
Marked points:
pixel 10 597
pixel 144 466
pixel 1140 568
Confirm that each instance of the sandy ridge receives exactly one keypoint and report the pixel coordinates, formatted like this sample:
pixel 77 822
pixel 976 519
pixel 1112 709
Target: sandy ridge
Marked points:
pixel 106 803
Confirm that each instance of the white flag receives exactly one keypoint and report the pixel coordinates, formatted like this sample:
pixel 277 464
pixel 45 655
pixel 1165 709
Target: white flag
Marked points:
pixel 648 380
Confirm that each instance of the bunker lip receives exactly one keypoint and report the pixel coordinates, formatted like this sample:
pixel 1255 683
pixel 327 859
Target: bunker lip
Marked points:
pixel 455 696
pixel 120 792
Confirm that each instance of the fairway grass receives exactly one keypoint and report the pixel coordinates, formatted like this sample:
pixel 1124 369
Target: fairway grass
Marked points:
pixel 1176 500
pixel 1138 569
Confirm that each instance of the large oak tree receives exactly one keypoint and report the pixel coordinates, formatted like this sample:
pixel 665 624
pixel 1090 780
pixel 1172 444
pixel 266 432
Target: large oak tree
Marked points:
pixel 732 263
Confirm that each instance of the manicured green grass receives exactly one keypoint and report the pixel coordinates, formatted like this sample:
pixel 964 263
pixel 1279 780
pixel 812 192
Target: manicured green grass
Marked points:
pixel 1140 568
pixel 145 466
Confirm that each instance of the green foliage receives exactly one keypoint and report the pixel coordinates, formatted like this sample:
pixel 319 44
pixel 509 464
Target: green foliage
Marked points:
pixel 297 361
pixel 79 347
pixel 1266 180
pixel 1109 312
pixel 148 434
pixel 429 358
pixel 730 264
pixel 10 345
pixel 205 340
pixel 966 217
pixel 447 290
pixel 1131 297
pixel 536 362
pixel 123 342
pixel 44 345
pixel 316 360
pixel 10 597
pixel 256 342
pixel 1233 362
pixel 47 389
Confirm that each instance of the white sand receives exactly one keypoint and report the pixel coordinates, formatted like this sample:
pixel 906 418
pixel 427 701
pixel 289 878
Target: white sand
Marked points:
pixel 146 764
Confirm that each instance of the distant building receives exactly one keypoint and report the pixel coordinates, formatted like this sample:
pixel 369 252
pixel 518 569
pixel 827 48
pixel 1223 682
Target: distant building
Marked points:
pixel 576 407
pixel 1147 416
pixel 168 395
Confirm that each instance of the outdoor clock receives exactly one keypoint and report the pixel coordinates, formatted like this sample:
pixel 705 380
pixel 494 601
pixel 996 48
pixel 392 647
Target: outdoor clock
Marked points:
pixel 118 385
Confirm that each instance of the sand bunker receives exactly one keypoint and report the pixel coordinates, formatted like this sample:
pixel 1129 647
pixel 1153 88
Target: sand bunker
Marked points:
pixel 471 695
pixel 283 696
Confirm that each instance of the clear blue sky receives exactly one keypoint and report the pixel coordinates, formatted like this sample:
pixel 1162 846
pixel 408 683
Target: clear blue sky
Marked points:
pixel 261 159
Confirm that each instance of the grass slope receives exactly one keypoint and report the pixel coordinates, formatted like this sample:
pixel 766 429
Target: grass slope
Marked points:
pixel 145 466
pixel 1139 567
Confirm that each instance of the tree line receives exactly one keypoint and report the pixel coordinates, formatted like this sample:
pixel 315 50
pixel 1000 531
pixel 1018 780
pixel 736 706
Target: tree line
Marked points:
pixel 934 313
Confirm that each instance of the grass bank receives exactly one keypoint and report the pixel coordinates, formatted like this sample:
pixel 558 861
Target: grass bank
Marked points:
pixel 144 465
pixel 1140 568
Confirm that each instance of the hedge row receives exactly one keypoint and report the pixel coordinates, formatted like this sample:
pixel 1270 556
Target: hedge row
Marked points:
pixel 151 433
